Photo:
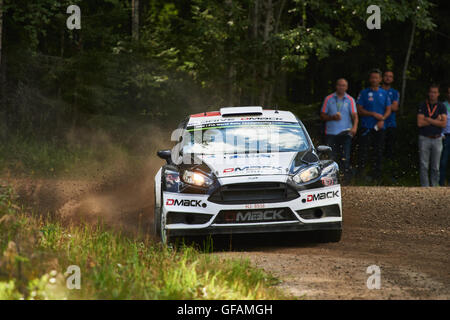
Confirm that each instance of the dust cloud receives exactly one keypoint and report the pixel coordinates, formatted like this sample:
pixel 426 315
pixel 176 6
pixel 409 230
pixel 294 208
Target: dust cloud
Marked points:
pixel 119 195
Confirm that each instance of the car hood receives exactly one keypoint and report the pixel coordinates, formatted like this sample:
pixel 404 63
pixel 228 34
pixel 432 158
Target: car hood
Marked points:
pixel 232 165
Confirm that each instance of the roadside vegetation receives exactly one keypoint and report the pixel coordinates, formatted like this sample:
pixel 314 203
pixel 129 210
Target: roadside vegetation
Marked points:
pixel 35 253
pixel 134 64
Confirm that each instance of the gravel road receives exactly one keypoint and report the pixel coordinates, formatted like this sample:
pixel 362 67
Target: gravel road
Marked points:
pixel 403 231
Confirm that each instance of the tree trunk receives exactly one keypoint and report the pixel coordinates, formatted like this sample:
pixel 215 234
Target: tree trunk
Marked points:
pixel 405 67
pixel 3 111
pixel 1 29
pixel 135 19
pixel 255 28
pixel 273 75
pixel 231 66
pixel 266 68
pixel 277 23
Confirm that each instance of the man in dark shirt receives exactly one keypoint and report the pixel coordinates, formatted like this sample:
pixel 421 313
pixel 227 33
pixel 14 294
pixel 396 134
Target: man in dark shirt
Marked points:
pixel 446 145
pixel 431 119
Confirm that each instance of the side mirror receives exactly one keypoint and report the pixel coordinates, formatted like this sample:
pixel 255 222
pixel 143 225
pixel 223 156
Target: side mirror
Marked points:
pixel 324 149
pixel 166 155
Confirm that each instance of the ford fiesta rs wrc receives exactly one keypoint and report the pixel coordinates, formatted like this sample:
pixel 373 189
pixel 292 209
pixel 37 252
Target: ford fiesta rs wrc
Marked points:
pixel 246 170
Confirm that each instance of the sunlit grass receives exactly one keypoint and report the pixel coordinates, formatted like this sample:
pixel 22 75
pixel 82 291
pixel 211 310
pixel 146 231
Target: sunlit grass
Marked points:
pixel 36 252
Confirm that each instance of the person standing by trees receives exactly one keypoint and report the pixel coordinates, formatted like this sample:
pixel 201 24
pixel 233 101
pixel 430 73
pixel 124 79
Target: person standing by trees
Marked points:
pixel 341 118
pixel 391 121
pixel 374 107
pixel 446 143
pixel 431 119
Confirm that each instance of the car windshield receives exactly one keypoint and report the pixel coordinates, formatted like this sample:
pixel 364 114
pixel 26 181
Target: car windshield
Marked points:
pixel 245 137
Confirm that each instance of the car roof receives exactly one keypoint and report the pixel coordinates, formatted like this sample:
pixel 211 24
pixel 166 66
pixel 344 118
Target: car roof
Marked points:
pixel 231 114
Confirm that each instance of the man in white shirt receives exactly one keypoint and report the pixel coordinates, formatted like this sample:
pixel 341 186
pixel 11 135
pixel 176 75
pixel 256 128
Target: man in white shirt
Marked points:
pixel 341 123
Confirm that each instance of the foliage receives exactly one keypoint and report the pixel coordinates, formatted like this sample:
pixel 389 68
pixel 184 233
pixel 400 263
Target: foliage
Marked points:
pixel 198 55
pixel 230 51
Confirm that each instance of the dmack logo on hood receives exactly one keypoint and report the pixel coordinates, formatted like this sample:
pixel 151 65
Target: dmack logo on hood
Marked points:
pixel 250 164
pixel 251 168
pixel 250 155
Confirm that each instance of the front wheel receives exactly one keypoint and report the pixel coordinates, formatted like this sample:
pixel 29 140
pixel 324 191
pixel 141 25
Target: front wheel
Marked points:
pixel 157 221
pixel 156 217
pixel 160 227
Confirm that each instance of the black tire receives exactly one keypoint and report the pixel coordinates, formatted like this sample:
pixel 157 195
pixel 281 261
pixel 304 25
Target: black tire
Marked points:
pixel 157 226
pixel 157 221
pixel 156 218
pixel 164 237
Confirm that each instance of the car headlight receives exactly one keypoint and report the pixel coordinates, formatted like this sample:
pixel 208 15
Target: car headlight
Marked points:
pixel 306 175
pixel 196 179
pixel 330 175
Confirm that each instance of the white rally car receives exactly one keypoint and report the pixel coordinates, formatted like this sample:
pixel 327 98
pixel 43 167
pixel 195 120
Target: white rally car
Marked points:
pixel 246 170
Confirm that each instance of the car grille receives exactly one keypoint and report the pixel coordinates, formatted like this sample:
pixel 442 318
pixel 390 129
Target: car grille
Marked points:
pixel 255 216
pixel 257 192
pixel 187 218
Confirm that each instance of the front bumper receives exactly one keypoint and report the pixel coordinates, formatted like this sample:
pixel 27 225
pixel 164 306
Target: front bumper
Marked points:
pixel 272 228
pixel 314 209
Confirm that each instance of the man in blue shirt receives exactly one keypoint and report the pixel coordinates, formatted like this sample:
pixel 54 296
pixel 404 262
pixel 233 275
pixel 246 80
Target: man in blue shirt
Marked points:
pixel 446 143
pixel 391 122
pixel 341 118
pixel 374 107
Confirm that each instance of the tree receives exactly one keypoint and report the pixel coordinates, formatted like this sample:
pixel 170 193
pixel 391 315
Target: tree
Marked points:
pixel 421 17
pixel 1 30
pixel 135 19
pixel 233 52
pixel 405 66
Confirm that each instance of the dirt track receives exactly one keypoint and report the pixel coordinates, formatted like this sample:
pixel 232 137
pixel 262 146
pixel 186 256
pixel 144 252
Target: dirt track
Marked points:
pixel 404 231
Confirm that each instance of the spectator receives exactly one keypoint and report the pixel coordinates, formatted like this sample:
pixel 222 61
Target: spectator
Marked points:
pixel 374 107
pixel 391 121
pixel 446 145
pixel 431 119
pixel 341 118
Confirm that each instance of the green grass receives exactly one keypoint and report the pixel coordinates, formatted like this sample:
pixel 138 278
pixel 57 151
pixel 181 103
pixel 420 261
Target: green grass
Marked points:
pixel 36 252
